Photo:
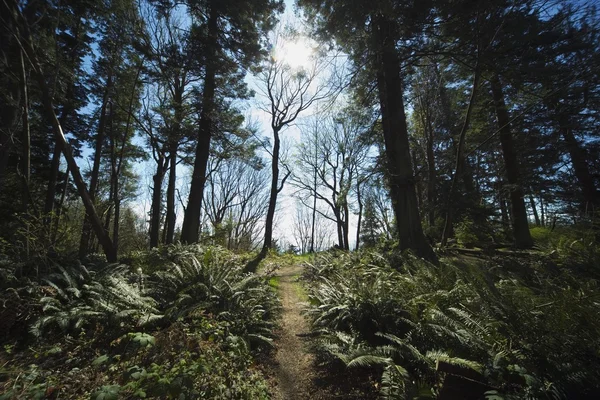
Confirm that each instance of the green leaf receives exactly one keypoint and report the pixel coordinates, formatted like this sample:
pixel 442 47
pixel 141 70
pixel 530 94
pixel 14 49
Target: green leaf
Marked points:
pixel 493 395
pixel 143 339
pixel 107 392
pixel 100 360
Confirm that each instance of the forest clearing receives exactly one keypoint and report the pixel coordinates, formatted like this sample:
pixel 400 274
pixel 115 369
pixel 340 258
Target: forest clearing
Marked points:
pixel 309 199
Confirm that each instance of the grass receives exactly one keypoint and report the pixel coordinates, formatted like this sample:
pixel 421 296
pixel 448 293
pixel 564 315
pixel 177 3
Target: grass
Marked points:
pixel 274 282
pixel 301 292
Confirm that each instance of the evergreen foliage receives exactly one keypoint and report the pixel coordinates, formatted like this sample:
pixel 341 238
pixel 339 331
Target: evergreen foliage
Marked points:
pixel 526 331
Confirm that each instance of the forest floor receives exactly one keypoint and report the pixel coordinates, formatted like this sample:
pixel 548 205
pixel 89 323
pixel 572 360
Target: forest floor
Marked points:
pixel 293 367
pixel 296 373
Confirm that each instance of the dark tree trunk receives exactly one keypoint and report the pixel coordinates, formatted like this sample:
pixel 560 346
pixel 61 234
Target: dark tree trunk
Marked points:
pixel 314 208
pixel 88 203
pixel 171 218
pixel 267 244
pixel 59 207
pixel 345 227
pixel 581 168
pixel 50 202
pixel 431 178
pixel 191 219
pixel 117 167
pixel 534 209
pixel 25 138
pixel 157 201
pixel 543 216
pixel 52 181
pixel 9 112
pixel 84 244
pixel 518 211
pixel 400 171
pixel 504 215
pixel 460 161
pixel 339 227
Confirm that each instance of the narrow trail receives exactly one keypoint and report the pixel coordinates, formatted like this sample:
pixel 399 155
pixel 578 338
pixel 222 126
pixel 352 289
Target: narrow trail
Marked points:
pixel 294 368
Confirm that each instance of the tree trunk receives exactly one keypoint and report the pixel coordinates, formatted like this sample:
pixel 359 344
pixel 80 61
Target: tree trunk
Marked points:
pixel 191 219
pixel 52 182
pixel 360 211
pixel 59 207
pixel 84 244
pixel 460 159
pixel 314 208
pixel 267 244
pixel 346 228
pixel 431 178
pixel 26 138
pixel 9 113
pixel 156 202
pixel 519 213
pixel 543 216
pixel 581 168
pixel 534 209
pixel 171 218
pixel 504 215
pixel 88 203
pixel 400 171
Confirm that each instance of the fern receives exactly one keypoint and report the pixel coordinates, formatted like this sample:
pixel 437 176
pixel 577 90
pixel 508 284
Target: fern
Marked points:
pixel 82 297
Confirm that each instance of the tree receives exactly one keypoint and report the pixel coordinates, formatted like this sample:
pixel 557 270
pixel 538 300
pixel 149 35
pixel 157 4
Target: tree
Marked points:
pixel 336 156
pixel 235 201
pixel 167 117
pixel 116 83
pixel 230 35
pixel 385 24
pixel 24 37
pixel 287 93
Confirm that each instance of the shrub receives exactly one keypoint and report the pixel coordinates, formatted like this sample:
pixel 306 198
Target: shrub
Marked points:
pixel 528 335
pixel 77 298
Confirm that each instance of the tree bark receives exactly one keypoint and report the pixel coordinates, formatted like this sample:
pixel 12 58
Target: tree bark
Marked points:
pixel 191 220
pixel 171 218
pixel 581 168
pixel 460 159
pixel 542 209
pixel 360 212
pixel 59 207
pixel 9 112
pixel 314 207
pixel 534 209
pixel 400 171
pixel 84 243
pixel 518 211
pixel 52 181
pixel 267 244
pixel 119 162
pixel 156 202
pixel 431 177
pixel 88 203
pixel 26 138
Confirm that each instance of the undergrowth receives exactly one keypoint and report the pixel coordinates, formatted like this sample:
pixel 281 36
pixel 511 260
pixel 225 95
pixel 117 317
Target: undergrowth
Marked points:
pixel 523 331
pixel 180 322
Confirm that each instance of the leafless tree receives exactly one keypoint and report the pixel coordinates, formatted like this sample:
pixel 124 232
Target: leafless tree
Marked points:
pixel 286 92
pixel 330 163
pixel 235 202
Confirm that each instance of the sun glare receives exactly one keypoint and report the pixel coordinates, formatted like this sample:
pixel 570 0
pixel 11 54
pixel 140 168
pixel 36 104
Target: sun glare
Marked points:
pixel 295 53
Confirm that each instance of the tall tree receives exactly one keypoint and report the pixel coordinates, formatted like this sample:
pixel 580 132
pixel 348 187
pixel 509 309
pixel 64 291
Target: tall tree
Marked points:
pixel 25 40
pixel 287 92
pixel 230 34
pixel 384 24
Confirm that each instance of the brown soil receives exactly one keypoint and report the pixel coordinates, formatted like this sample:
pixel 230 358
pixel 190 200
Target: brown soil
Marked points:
pixel 293 367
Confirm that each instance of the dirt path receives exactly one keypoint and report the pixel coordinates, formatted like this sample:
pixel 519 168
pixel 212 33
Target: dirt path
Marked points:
pixel 294 362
